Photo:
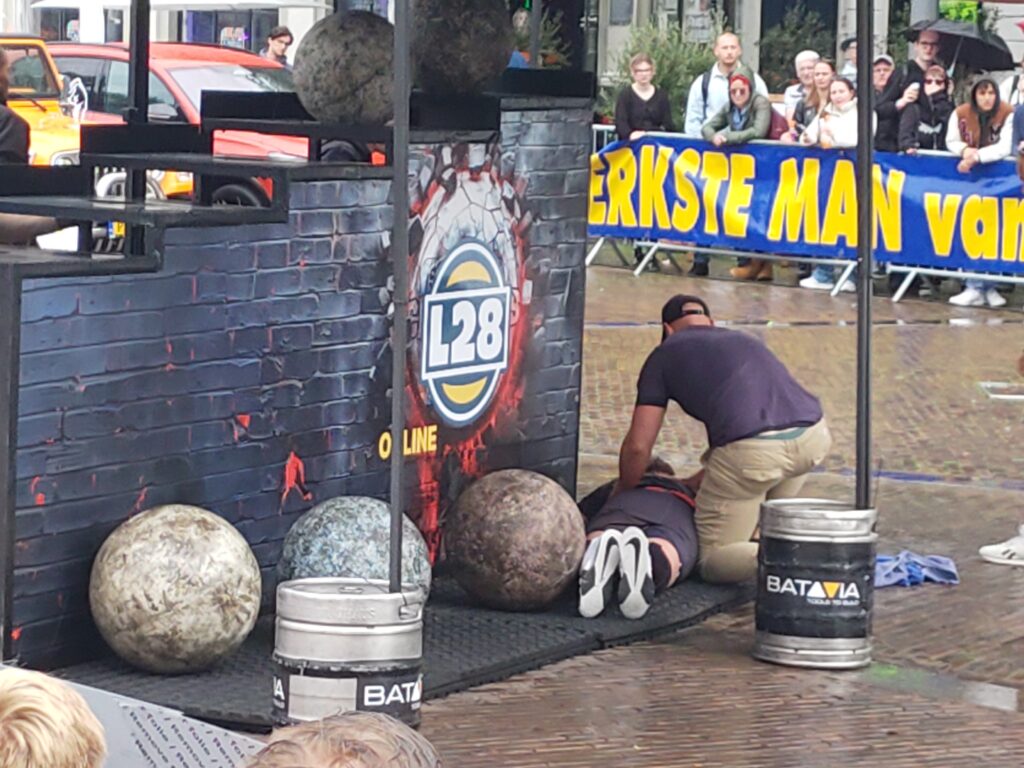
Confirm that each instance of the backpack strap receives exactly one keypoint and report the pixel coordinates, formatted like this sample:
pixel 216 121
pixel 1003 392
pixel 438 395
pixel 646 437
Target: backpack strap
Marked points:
pixel 705 83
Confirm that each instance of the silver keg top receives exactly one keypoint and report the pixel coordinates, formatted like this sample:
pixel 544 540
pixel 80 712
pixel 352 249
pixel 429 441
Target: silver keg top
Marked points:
pixel 363 602
pixel 817 520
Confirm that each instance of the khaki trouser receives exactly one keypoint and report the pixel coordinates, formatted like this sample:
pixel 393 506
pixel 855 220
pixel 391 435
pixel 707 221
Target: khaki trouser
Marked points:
pixel 737 478
pixel 16 229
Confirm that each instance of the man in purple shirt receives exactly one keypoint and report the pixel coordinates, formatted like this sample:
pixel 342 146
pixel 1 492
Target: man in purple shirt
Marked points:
pixel 765 431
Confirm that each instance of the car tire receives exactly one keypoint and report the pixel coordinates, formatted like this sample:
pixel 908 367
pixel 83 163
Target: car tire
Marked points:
pixel 238 194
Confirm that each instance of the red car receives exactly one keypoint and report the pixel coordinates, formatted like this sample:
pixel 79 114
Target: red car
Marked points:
pixel 179 73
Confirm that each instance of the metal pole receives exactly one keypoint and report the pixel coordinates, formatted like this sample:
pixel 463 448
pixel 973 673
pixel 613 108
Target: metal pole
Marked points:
pixel 865 230
pixel 138 110
pixel 10 353
pixel 536 14
pixel 400 260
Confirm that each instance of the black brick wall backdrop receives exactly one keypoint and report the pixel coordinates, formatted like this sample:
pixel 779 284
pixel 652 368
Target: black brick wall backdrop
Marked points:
pixel 196 384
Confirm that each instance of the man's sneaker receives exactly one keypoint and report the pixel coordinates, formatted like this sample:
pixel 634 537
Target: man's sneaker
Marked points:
pixel 697 269
pixel 815 284
pixel 849 287
pixel 636 582
pixel 597 573
pixel 994 298
pixel 968 297
pixel 1009 552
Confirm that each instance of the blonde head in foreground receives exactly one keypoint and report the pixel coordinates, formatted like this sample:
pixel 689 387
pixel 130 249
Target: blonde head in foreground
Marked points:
pixel 44 723
pixel 352 740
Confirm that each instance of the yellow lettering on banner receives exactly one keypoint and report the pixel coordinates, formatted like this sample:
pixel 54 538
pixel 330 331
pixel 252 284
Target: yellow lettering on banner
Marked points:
pixel 796 202
pixel 597 209
pixel 715 171
pixel 841 209
pixel 735 213
pixel 888 199
pixel 653 172
pixel 941 210
pixel 1013 224
pixel 621 182
pixel 687 208
pixel 979 227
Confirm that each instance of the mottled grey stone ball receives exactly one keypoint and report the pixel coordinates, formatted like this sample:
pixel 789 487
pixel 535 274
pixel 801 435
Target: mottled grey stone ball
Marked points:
pixel 349 537
pixel 175 589
pixel 514 540
pixel 343 68
pixel 459 46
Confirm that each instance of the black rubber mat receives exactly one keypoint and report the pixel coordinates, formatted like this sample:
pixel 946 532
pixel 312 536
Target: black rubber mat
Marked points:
pixel 464 646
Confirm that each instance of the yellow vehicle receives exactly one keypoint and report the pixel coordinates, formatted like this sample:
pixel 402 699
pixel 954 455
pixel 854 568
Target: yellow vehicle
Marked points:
pixel 35 96
pixel 55 138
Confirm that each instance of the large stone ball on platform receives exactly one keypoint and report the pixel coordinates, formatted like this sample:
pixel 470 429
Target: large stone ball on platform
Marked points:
pixel 175 589
pixel 514 540
pixel 349 536
pixel 343 68
pixel 460 46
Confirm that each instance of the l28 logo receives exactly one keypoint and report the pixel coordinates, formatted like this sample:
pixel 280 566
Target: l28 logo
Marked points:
pixel 465 326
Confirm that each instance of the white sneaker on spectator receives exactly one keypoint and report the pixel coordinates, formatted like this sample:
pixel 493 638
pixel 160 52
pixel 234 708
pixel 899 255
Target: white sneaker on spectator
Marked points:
pixel 849 287
pixel 968 297
pixel 1009 552
pixel 994 298
pixel 815 284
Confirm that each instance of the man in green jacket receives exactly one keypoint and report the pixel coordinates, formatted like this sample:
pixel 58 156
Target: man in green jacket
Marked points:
pixel 748 115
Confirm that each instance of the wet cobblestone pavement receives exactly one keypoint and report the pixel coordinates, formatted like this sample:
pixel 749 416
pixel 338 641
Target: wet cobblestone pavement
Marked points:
pixel 947 685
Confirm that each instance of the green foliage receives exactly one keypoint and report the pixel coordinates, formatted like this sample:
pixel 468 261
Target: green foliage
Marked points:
pixel 677 60
pixel 553 50
pixel 800 29
pixel 959 10
pixel 899 19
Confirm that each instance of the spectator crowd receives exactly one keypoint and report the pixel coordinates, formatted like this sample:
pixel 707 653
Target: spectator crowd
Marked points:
pixel 913 111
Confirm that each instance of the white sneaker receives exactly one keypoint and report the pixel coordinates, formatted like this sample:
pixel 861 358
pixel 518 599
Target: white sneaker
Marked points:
pixel 1009 552
pixel 994 298
pixel 597 572
pixel 636 582
pixel 968 297
pixel 849 287
pixel 815 284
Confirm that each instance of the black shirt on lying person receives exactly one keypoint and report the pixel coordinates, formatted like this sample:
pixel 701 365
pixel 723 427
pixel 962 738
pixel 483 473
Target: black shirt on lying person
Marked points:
pixel 633 113
pixel 728 380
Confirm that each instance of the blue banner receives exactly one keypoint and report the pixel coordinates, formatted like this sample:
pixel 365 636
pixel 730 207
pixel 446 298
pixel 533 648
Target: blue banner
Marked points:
pixel 788 200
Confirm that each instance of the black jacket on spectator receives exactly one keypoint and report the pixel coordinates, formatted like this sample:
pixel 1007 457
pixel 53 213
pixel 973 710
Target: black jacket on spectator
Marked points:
pixel 887 132
pixel 887 129
pixel 634 114
pixel 923 124
pixel 14 134
pixel 803 115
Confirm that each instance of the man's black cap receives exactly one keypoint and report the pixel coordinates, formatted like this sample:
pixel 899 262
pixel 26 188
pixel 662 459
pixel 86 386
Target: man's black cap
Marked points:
pixel 847 43
pixel 673 309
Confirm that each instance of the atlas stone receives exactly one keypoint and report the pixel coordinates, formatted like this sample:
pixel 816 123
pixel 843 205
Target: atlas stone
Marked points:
pixel 349 536
pixel 343 69
pixel 514 540
pixel 175 589
pixel 460 46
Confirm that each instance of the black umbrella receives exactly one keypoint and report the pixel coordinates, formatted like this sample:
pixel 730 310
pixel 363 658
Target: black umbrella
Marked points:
pixel 965 41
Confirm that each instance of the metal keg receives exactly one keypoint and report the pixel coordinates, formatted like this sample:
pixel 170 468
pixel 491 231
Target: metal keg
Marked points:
pixel 815 584
pixel 345 644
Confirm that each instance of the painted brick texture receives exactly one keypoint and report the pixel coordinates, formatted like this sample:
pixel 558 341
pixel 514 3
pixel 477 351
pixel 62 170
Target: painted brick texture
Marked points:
pixel 195 384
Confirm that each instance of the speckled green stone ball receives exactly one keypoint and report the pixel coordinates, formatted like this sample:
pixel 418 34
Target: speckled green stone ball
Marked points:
pixel 343 69
pixel 175 589
pixel 514 540
pixel 349 536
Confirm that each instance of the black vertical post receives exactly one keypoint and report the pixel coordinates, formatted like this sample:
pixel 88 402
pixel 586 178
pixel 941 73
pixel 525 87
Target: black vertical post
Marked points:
pixel 138 110
pixel 536 17
pixel 400 260
pixel 10 350
pixel 865 232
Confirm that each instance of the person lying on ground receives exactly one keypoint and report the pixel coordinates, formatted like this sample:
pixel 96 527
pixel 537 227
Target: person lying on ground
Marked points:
pixel 643 538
